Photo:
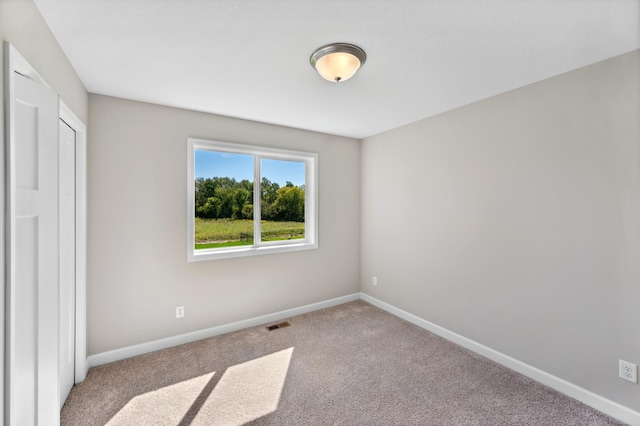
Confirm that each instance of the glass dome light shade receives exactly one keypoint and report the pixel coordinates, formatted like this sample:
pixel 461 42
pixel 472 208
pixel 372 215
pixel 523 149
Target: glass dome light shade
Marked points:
pixel 339 66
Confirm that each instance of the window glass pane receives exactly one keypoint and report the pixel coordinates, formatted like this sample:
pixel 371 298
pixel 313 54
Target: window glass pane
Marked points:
pixel 282 188
pixel 223 199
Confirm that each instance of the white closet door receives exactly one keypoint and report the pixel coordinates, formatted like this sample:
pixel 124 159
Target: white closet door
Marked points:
pixel 33 311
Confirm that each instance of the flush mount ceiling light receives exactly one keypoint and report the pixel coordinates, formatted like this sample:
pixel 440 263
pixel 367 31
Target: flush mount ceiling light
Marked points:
pixel 337 61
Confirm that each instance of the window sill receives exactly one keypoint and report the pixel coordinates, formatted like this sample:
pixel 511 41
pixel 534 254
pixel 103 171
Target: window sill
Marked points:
pixel 229 253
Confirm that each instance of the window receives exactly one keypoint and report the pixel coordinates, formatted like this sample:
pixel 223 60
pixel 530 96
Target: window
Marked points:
pixel 248 200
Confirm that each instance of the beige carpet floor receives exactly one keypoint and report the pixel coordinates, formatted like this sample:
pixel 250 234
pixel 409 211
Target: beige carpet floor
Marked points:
pixel 352 364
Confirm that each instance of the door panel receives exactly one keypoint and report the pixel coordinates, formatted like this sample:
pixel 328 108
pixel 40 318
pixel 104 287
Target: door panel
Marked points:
pixel 27 149
pixel 26 342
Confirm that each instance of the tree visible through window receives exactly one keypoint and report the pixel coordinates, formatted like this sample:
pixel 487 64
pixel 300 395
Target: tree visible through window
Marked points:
pixel 234 185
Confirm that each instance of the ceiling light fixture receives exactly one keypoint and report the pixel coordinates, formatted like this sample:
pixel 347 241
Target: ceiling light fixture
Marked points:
pixel 337 61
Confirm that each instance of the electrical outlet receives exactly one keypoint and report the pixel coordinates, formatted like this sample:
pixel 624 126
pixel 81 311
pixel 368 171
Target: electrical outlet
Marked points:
pixel 628 371
pixel 374 281
pixel 179 311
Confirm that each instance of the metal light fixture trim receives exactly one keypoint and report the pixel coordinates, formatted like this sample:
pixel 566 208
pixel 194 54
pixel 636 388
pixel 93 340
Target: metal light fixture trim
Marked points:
pixel 337 62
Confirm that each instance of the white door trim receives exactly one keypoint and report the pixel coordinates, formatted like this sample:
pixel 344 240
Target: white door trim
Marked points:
pixel 81 239
pixel 13 62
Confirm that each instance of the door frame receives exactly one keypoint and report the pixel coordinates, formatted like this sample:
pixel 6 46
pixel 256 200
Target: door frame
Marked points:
pixel 14 63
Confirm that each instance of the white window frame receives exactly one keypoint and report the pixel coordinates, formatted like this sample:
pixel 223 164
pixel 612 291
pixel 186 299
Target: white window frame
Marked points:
pixel 310 240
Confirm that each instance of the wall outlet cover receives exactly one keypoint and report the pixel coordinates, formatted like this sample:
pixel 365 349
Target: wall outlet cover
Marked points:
pixel 628 371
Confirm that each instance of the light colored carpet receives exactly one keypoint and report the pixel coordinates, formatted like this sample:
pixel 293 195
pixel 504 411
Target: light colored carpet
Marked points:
pixel 352 364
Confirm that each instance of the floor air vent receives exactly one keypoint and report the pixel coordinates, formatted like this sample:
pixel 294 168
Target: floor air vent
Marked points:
pixel 277 326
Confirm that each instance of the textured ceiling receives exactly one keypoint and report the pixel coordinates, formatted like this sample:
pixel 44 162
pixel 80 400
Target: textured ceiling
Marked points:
pixel 250 58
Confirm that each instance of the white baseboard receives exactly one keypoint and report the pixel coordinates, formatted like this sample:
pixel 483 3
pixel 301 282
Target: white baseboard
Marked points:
pixel 143 348
pixel 589 398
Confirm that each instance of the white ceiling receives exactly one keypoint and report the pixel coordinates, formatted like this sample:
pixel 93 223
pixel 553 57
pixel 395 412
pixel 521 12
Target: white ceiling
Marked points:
pixel 250 58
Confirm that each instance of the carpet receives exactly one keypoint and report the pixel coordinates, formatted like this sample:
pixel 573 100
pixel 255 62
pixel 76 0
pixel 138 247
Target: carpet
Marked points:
pixel 352 364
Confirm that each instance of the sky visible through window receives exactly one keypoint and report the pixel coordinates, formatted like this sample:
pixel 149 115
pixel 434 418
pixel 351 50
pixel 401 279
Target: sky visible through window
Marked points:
pixel 209 164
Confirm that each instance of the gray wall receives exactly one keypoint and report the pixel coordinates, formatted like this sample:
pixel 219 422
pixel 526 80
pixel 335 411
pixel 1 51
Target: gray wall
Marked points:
pixel 515 222
pixel 22 25
pixel 137 267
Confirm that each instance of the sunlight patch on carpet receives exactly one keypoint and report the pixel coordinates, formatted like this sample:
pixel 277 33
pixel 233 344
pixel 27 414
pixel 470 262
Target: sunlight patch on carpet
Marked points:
pixel 166 405
pixel 246 391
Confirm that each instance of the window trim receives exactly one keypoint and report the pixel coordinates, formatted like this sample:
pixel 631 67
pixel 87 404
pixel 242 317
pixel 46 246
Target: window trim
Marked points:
pixel 258 152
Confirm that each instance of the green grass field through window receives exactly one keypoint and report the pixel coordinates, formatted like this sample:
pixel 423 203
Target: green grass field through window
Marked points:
pixel 216 233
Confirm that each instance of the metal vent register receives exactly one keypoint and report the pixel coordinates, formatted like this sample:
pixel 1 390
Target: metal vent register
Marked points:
pixel 277 326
